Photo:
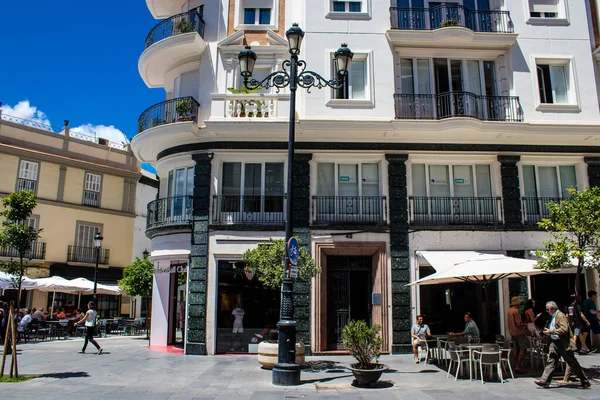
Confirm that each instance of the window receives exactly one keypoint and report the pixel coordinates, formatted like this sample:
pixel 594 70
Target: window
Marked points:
pixel 28 176
pixel 85 234
pixel 252 187
pixel 257 16
pixel 553 83
pixel 356 83
pixel 180 189
pixel 548 181
pixel 451 180
pixel 544 8
pixel 91 192
pixel 346 6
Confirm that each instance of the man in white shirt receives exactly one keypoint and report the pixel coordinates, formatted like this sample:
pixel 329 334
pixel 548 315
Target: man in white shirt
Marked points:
pixel 24 321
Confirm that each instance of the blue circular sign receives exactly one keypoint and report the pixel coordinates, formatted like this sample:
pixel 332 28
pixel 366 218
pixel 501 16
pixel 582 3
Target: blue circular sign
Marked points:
pixel 293 250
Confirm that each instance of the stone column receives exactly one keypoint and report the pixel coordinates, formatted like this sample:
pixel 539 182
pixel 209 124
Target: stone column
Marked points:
pixel 593 170
pixel 511 192
pixel 517 286
pixel 196 302
pixel 399 253
pixel 301 211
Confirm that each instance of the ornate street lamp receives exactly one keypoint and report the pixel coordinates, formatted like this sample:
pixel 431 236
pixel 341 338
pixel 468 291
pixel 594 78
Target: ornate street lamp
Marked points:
pixel 98 245
pixel 286 372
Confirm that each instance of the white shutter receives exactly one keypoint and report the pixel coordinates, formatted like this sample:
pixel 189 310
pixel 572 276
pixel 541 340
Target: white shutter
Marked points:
pixel 543 6
pixel 28 170
pixel 85 235
pixel 92 182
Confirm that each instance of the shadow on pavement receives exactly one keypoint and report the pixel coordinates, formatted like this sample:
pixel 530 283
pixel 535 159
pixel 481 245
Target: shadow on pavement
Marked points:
pixel 322 366
pixel 64 375
pixel 323 380
pixel 376 385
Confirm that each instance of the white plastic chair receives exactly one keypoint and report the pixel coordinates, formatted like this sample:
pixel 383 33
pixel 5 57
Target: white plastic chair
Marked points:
pixel 456 356
pixel 423 347
pixel 489 355
pixel 506 355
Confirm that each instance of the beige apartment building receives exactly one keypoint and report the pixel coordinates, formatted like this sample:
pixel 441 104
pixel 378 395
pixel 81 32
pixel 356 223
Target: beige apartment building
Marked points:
pixel 84 185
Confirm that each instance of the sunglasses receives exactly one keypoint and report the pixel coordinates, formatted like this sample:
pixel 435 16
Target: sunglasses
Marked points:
pixel 549 309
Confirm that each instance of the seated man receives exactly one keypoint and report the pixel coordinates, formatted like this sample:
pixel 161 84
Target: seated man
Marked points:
pixel 471 330
pixel 418 332
pixel 24 321
pixel 38 314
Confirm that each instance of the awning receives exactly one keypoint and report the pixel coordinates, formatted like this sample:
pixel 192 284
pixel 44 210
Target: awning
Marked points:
pixel 474 266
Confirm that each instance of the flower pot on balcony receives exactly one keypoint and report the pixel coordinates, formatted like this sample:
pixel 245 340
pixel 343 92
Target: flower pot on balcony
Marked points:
pixel 449 22
pixel 268 350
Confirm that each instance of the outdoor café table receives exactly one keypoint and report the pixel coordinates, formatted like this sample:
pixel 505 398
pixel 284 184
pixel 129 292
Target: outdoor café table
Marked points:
pixel 440 349
pixel 53 328
pixel 471 347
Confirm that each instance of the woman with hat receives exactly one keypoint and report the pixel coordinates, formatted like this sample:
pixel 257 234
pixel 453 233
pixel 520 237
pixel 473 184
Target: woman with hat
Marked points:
pixel 516 328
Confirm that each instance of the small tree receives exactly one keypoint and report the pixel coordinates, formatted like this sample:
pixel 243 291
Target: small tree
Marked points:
pixel 16 233
pixel 266 260
pixel 137 280
pixel 574 227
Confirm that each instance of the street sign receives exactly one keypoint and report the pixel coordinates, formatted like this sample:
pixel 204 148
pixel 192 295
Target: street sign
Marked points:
pixel 293 271
pixel 293 250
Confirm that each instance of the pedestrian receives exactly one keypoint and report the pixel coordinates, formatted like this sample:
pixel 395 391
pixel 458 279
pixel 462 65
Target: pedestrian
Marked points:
pixel 562 345
pixel 516 327
pixel 530 317
pixel 590 312
pixel 90 318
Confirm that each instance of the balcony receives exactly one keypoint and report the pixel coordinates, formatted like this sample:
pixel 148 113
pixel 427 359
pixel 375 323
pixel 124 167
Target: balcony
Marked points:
pixel 258 107
pixel 451 25
pixel 164 8
pixel 534 209
pixel 37 252
pixel 253 210
pixel 87 255
pixel 91 198
pixel 159 126
pixel 349 210
pixel 26 184
pixel 175 41
pixel 458 104
pixel 169 212
pixel 438 211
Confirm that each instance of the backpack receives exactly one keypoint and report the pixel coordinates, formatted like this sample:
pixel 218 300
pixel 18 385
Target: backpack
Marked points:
pixel 573 315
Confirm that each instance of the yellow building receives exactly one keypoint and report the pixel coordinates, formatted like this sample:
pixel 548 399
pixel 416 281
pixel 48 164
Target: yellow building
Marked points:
pixel 84 185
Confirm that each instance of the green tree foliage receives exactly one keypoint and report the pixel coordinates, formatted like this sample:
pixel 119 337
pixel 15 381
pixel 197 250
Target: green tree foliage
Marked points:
pixel 266 261
pixel 574 227
pixel 16 233
pixel 362 342
pixel 137 278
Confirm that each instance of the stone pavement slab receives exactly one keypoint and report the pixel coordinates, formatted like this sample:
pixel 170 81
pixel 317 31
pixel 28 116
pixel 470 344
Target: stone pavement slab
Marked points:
pixel 128 370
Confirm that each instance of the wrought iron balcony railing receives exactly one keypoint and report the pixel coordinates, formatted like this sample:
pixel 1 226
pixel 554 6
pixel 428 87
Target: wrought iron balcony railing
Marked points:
pixel 263 210
pixel 168 112
pixel 186 22
pixel 534 208
pixel 458 104
pixel 451 14
pixel 349 209
pixel 455 210
pixel 91 198
pixel 37 252
pixel 26 184
pixel 176 210
pixel 87 255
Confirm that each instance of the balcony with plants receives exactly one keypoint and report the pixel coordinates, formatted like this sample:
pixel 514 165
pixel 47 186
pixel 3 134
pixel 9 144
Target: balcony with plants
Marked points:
pixel 174 41
pixel 451 23
pixel 255 105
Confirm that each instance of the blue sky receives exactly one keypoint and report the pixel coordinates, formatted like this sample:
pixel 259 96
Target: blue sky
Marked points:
pixel 76 60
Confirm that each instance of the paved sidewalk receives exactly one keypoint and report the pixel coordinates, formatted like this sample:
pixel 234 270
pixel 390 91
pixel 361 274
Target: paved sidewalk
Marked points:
pixel 128 370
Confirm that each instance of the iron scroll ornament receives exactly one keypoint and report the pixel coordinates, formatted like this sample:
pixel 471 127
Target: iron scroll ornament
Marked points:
pixel 305 79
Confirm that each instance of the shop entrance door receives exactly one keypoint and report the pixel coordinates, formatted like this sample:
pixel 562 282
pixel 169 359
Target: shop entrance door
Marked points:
pixel 177 304
pixel 349 289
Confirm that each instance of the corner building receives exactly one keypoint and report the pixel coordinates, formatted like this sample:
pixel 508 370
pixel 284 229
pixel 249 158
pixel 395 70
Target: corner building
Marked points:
pixel 459 121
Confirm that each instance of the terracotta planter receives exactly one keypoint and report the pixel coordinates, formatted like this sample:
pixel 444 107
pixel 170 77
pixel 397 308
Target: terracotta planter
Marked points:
pixel 366 377
pixel 267 354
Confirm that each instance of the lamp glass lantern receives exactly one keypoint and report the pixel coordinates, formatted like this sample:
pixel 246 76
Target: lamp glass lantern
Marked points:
pixel 98 240
pixel 294 36
pixel 343 58
pixel 247 60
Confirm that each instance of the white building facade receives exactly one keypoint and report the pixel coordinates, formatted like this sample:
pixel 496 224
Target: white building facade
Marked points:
pixel 459 121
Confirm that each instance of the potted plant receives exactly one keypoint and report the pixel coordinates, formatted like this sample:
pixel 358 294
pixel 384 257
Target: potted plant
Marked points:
pixel 156 122
pixel 183 108
pixel 364 344
pixel 449 22
pixel 184 26
pixel 266 261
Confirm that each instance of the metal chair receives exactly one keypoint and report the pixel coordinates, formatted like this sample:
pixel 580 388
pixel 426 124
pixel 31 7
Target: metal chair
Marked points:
pixel 506 351
pixel 490 355
pixel 423 347
pixel 457 356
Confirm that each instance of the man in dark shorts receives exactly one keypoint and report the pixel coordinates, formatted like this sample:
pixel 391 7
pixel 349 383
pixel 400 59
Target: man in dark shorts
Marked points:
pixel 590 311
pixel 516 327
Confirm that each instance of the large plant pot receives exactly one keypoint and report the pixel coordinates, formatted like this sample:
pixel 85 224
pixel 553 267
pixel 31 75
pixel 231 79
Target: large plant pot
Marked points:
pixel 366 377
pixel 267 354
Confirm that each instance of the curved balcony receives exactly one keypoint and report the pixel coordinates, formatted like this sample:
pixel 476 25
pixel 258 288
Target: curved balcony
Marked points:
pixel 165 123
pixel 164 8
pixel 169 213
pixel 175 41
pixel 458 104
pixel 451 25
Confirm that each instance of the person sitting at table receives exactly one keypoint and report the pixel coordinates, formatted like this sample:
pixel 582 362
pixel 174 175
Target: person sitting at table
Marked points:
pixel 24 321
pixel 38 314
pixel 418 332
pixel 471 330
pixel 61 314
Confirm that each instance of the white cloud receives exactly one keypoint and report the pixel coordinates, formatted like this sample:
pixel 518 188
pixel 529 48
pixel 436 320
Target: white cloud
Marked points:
pixel 109 133
pixel 25 110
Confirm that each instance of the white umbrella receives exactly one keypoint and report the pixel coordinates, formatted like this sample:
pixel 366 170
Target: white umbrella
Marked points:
pixel 476 267
pixel 51 284
pixel 8 281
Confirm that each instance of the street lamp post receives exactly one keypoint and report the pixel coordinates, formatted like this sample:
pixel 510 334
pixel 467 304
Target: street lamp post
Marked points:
pixel 286 372
pixel 98 245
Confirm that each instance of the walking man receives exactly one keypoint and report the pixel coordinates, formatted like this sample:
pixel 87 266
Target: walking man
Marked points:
pixel 562 345
pixel 590 311
pixel 517 332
